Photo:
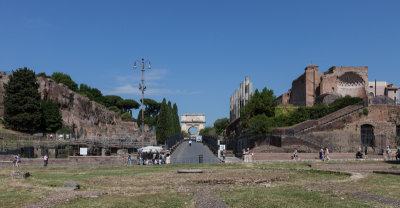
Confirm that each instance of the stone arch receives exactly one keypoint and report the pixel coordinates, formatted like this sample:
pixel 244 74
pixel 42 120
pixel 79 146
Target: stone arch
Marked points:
pixel 367 135
pixel 193 127
pixel 193 120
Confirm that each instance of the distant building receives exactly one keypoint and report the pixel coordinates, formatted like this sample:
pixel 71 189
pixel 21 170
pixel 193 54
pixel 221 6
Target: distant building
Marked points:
pixel 382 88
pixel 314 86
pixel 240 98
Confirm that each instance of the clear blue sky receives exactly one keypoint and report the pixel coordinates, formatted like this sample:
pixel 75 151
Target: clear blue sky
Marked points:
pixel 200 50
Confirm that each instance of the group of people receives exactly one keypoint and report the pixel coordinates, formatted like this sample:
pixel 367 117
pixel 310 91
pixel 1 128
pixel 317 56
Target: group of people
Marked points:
pixel 17 161
pixel 152 158
pixel 389 152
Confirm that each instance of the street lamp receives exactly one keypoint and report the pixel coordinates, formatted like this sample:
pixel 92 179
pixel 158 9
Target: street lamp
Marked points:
pixel 142 87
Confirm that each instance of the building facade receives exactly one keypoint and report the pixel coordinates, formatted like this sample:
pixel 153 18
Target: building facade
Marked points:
pixel 240 98
pixel 382 88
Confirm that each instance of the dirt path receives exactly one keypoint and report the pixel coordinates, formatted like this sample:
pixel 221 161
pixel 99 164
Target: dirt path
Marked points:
pixel 61 197
pixel 204 196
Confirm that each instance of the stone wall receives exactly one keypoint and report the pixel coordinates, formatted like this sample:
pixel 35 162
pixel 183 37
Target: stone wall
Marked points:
pixel 86 118
pixel 341 132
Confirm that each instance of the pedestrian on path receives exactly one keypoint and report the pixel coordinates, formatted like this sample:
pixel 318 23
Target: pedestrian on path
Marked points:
pixel 18 160
pixel 326 154
pixel 45 160
pixel 366 152
pixel 129 161
pixel 295 154
pixel 321 152
pixel 15 161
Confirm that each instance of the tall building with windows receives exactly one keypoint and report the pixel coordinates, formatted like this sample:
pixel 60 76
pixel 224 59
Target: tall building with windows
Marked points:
pixel 240 98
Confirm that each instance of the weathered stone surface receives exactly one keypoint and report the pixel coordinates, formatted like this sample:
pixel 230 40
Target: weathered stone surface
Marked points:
pixel 341 130
pixel 19 174
pixel 71 184
pixel 86 118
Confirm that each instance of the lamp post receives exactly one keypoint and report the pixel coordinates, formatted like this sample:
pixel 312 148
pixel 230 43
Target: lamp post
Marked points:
pixel 142 87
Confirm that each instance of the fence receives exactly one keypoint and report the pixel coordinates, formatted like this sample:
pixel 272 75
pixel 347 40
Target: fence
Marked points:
pixel 173 140
pixel 249 141
pixel 211 142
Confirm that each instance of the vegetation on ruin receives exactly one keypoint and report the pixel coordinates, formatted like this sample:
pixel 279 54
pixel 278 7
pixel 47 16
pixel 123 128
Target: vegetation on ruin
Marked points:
pixel 290 184
pixel 262 114
pixel 65 79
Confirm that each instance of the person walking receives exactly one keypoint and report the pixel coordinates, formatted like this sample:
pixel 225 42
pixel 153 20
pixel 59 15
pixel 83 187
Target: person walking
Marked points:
pixel 398 153
pixel 295 154
pixel 129 162
pixel 366 152
pixel 15 161
pixel 45 160
pixel 18 160
pixel 321 152
pixel 327 153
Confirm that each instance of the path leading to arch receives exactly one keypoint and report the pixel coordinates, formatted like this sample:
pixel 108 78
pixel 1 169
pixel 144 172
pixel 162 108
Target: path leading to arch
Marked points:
pixel 185 154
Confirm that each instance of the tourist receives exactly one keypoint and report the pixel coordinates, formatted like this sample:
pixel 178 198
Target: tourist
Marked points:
pixel 15 161
pixel 326 153
pixel 18 160
pixel 366 152
pixel 45 160
pixel 398 153
pixel 190 143
pixel 223 155
pixel 129 162
pixel 388 150
pixel 321 152
pixel 295 154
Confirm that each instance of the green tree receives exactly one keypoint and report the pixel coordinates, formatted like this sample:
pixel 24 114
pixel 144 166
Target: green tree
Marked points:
pixel 177 125
pixel 93 94
pixel 259 124
pixel 65 79
pixel 126 117
pixel 220 125
pixel 22 101
pixel 171 120
pixel 162 123
pixel 115 109
pixel 127 105
pixel 259 103
pixel 51 115
pixel 208 131
pixel 111 100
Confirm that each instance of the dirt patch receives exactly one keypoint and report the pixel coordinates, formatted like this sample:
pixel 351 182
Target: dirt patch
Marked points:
pixel 204 196
pixel 241 181
pixel 367 167
pixel 61 197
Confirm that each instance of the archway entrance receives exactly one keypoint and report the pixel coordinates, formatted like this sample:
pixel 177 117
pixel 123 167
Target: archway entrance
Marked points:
pixel 367 136
pixel 193 130
pixel 193 123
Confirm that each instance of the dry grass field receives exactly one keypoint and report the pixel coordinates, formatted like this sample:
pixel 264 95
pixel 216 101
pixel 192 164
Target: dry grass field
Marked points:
pixel 290 184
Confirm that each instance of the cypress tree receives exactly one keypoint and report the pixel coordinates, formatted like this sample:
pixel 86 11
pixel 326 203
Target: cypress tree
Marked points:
pixel 22 101
pixel 162 123
pixel 176 119
pixel 171 120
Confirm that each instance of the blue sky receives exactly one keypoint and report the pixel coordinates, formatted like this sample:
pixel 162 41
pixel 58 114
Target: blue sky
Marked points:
pixel 200 50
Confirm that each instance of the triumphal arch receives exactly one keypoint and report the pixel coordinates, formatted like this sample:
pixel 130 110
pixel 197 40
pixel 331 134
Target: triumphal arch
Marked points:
pixel 189 121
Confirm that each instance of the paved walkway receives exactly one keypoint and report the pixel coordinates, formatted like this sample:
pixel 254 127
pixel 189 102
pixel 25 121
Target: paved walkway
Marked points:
pixel 185 154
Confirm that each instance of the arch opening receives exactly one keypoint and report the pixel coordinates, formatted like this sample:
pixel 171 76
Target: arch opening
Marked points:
pixel 367 136
pixel 193 130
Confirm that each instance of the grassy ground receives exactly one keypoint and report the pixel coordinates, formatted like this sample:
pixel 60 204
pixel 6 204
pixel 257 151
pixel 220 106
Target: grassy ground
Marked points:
pixel 239 185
